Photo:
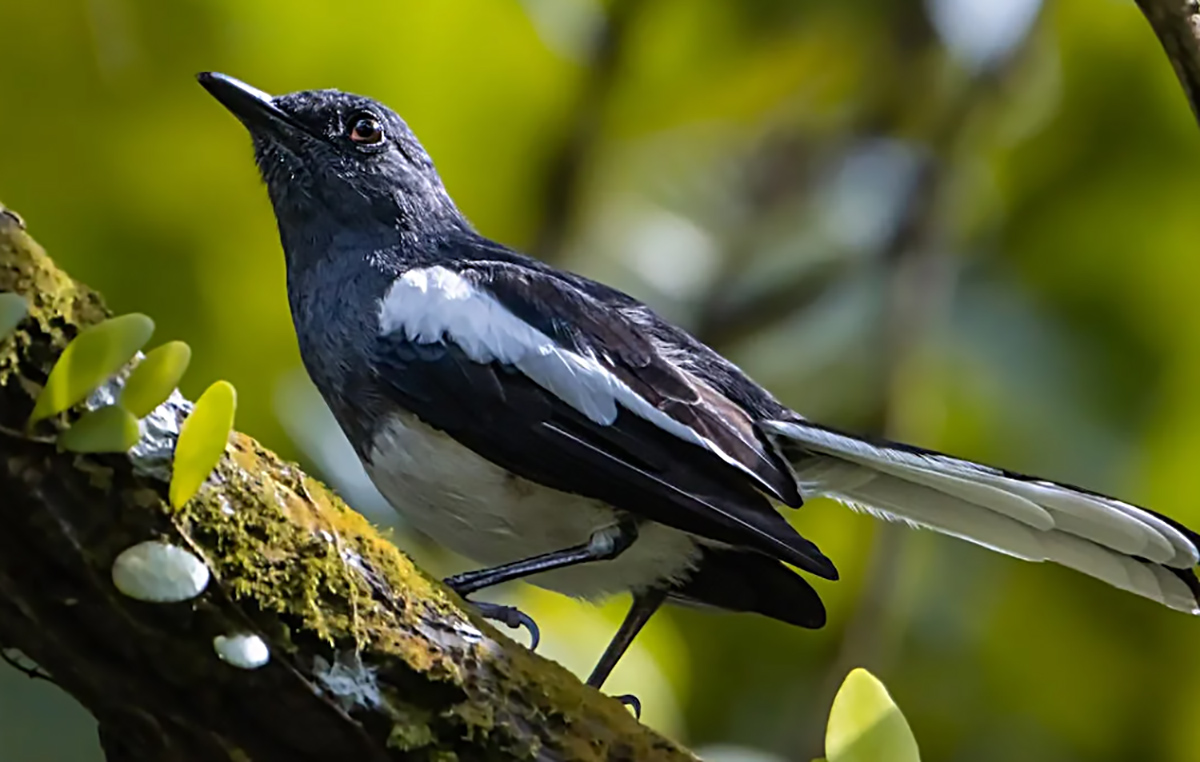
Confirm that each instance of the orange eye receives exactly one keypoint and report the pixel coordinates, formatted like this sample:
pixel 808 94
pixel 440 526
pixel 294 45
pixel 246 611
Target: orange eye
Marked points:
pixel 366 130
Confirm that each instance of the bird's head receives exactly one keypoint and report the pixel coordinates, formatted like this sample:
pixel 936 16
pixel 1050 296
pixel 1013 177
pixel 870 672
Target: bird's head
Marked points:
pixel 338 161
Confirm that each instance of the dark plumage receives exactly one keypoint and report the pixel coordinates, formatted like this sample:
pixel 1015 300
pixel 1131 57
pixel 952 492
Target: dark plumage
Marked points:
pixel 557 429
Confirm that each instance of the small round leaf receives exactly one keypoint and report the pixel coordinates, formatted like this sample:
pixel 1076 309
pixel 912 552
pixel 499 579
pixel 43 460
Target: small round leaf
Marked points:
pixel 865 725
pixel 155 377
pixel 107 429
pixel 13 309
pixel 89 360
pixel 202 441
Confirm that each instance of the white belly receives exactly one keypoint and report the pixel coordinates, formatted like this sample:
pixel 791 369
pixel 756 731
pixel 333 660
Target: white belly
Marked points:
pixel 491 516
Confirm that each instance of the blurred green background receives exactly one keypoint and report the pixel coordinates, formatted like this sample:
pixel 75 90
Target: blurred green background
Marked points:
pixel 966 223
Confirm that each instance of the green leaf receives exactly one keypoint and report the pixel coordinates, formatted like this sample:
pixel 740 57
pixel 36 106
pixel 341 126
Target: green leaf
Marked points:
pixel 202 440
pixel 155 377
pixel 89 360
pixel 107 429
pixel 13 309
pixel 865 725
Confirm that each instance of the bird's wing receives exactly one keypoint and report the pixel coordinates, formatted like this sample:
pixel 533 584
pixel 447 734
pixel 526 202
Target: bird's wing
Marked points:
pixel 533 374
pixel 1033 519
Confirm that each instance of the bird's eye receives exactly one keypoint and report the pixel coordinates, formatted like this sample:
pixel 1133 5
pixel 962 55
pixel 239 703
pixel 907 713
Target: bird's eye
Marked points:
pixel 366 130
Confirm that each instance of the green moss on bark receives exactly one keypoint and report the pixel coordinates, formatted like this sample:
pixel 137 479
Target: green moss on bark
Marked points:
pixel 411 675
pixel 58 306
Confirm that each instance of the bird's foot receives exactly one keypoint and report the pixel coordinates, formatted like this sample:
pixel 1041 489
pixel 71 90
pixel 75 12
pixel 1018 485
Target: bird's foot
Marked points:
pixel 631 701
pixel 511 616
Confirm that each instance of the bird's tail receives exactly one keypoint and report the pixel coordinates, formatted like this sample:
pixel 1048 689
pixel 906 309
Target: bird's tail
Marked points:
pixel 1036 520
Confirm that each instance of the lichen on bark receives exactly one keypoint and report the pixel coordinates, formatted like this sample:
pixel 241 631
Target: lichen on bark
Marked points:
pixel 370 658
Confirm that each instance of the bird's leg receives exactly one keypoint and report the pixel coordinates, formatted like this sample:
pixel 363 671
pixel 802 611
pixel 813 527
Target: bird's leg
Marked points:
pixel 511 616
pixel 644 605
pixel 604 545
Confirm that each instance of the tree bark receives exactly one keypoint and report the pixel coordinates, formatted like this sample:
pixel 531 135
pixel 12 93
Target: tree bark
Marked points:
pixel 370 659
pixel 1177 24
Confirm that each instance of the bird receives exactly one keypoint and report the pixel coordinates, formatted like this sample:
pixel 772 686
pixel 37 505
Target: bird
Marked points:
pixel 556 430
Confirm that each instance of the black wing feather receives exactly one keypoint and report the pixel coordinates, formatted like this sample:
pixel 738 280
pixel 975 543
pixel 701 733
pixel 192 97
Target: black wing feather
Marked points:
pixel 632 464
pixel 739 581
pixel 580 322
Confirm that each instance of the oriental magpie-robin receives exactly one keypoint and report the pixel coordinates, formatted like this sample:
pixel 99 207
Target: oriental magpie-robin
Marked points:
pixel 557 430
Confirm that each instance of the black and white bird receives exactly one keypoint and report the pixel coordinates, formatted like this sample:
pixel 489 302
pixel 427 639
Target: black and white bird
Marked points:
pixel 557 430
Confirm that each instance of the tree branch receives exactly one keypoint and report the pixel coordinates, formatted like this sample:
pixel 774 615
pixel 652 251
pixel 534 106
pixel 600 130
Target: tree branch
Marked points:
pixel 1177 24
pixel 370 659
pixel 568 160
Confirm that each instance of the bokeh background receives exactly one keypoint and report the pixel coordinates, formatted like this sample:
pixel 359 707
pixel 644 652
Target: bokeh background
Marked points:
pixel 965 223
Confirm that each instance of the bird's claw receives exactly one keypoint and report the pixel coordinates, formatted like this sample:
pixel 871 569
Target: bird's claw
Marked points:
pixel 631 701
pixel 512 617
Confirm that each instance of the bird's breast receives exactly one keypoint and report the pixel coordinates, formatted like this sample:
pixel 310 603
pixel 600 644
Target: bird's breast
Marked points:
pixel 492 516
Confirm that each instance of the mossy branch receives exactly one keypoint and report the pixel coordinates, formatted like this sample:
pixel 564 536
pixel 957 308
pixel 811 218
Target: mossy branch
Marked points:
pixel 370 659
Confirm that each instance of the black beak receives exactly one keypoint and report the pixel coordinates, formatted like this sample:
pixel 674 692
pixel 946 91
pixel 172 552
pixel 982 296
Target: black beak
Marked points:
pixel 252 106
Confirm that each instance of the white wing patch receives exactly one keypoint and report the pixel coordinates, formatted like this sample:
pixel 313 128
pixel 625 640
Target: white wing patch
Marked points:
pixel 432 304
pixel 1032 520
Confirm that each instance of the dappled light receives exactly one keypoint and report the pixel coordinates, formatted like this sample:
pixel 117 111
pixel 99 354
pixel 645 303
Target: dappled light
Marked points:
pixel 964 224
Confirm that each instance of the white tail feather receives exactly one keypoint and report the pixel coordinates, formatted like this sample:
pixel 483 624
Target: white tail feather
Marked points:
pixel 1118 543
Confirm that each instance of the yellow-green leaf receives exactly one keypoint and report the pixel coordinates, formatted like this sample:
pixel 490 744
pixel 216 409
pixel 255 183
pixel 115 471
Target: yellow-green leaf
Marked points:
pixel 13 309
pixel 107 429
pixel 155 377
pixel 202 440
pixel 865 725
pixel 89 360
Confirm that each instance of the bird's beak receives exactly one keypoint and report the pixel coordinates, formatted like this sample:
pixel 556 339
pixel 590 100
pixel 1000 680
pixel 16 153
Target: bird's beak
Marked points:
pixel 255 109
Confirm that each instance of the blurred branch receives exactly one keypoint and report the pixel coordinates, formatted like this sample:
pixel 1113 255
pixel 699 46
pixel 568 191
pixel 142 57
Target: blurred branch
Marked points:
pixel 912 267
pixel 724 322
pixel 781 172
pixel 778 174
pixel 1177 24
pixel 918 283
pixel 569 160
pixel 369 659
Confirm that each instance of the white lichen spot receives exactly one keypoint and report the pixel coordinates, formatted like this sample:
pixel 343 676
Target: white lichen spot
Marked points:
pixel 244 650
pixel 226 508
pixel 470 634
pixel 350 682
pixel 159 572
